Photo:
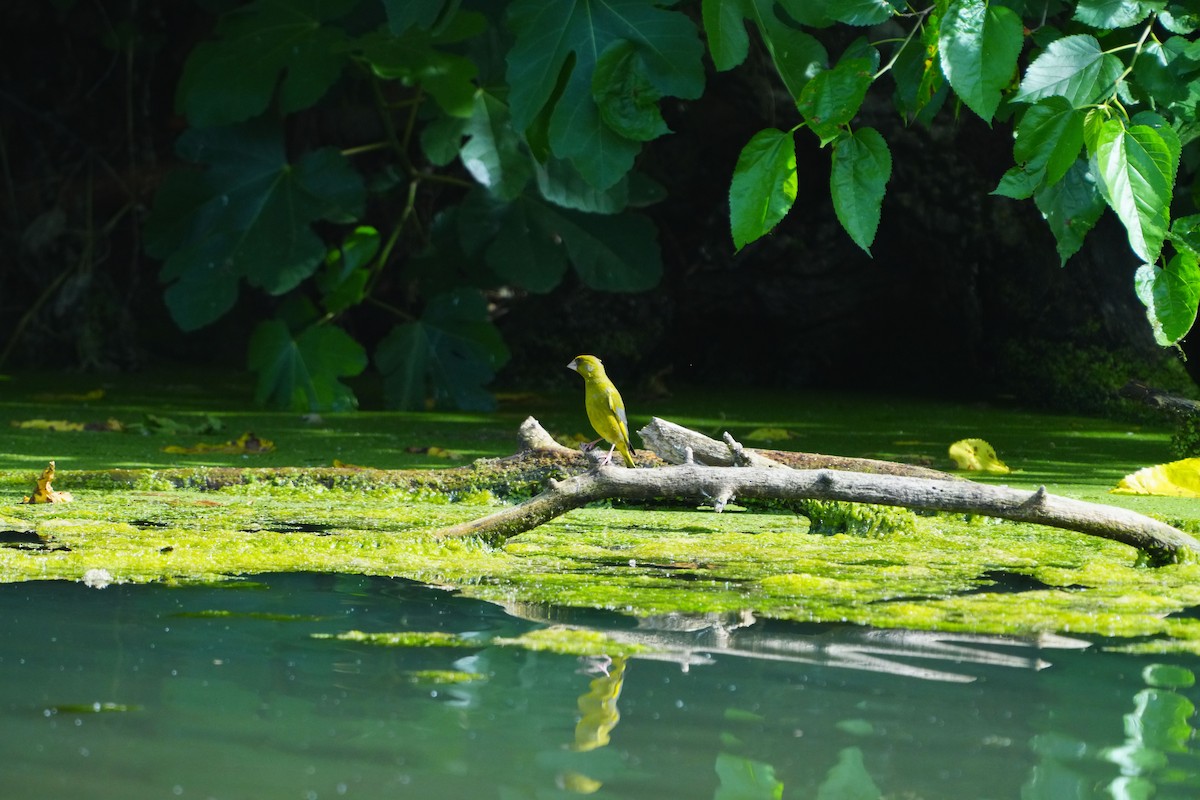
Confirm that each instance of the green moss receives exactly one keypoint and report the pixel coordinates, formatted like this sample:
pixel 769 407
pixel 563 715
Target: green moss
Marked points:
pixel 572 642
pixel 140 515
pixel 438 677
pixel 403 638
pixel 861 519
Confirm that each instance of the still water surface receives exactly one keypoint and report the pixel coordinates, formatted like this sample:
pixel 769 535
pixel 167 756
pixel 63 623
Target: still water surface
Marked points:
pixel 223 692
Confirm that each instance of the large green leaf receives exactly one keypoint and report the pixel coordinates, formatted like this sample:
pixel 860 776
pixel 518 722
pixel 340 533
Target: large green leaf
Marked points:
pixel 247 216
pixel 264 46
pixel 862 165
pixel 860 12
pixel 764 185
pixel 725 29
pixel 404 14
pixel 415 58
pixel 1071 207
pixel 1137 168
pixel 525 252
pixel 566 39
pixel 1074 67
pixel 627 100
pixel 301 373
pixel 610 252
pixel 1049 137
pixel 1170 295
pixel 493 153
pixel 449 355
pixel 979 45
pixel 343 279
pixel 797 56
pixel 832 98
pixel 1108 14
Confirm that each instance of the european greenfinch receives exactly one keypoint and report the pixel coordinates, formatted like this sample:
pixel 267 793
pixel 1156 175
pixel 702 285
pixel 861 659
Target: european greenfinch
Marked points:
pixel 604 406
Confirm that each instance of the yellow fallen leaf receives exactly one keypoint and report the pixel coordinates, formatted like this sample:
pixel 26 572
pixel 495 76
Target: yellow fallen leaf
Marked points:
pixel 44 492
pixel 1177 479
pixel 435 451
pixel 769 434
pixel 244 444
pixel 63 426
pixel 86 397
pixel 47 424
pixel 977 455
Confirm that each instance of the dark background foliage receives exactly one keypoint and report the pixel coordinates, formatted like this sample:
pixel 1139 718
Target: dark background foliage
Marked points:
pixel 963 295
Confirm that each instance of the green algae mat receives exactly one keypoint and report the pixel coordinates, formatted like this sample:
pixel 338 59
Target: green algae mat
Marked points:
pixel 139 459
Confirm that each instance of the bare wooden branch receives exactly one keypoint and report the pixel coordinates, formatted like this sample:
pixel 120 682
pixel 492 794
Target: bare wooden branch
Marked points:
pixel 1157 398
pixel 671 442
pixel 1158 539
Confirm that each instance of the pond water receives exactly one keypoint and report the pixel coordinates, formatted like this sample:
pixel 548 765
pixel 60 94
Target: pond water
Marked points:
pixel 223 691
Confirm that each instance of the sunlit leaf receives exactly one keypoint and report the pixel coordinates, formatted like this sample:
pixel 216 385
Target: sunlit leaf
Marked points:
pixel 976 455
pixel 764 185
pixel 862 165
pixel 1176 479
pixel 246 444
pixel 1074 67
pixel 1137 168
pixel 1170 295
pixel 979 44
pixel 1107 14
pixel 832 98
pixel 43 492
pixel 1049 137
pixel 345 274
pixel 492 152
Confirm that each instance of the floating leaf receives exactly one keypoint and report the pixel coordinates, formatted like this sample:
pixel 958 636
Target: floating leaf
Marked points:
pixel 44 492
pixel 769 435
pixel 245 444
pixel 977 455
pixel 1176 479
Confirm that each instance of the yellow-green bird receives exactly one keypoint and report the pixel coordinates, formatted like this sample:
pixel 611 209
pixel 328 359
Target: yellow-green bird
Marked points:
pixel 605 408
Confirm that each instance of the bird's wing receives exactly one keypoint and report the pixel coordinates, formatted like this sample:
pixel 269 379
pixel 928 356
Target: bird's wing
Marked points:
pixel 618 409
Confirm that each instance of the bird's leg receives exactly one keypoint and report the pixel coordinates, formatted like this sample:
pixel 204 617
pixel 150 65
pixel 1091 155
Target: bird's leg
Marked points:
pixel 587 447
pixel 608 458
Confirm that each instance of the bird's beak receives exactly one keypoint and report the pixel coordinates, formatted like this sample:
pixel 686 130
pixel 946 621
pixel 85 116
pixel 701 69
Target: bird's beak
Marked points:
pixel 574 364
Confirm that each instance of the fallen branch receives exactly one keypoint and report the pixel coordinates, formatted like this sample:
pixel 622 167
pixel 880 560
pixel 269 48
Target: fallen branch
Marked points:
pixel 672 443
pixel 720 485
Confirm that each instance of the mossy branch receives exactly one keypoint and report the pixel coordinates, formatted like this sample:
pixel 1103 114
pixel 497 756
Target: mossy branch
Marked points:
pixel 720 485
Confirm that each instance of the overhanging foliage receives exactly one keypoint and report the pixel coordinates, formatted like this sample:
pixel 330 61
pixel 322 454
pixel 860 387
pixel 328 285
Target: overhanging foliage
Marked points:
pixel 508 144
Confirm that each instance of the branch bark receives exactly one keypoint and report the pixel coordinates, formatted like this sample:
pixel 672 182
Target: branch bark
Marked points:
pixel 1161 542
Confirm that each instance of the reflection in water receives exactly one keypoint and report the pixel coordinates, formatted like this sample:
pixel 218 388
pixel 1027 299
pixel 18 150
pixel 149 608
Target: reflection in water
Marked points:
pixel 154 692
